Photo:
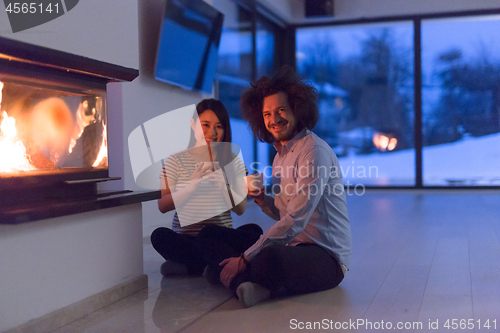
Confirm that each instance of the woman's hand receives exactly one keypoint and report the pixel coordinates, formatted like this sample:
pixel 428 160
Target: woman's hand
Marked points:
pixel 201 170
pixel 232 267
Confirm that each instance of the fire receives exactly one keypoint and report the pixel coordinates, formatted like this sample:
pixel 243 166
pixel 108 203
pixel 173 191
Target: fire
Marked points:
pixel 12 150
pixel 50 132
pixel 384 142
pixel 103 152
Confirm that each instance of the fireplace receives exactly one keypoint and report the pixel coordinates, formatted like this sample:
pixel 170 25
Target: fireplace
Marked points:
pixel 53 131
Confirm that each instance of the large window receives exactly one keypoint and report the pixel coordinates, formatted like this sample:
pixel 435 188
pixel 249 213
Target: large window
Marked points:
pixel 364 77
pixel 461 101
pixel 414 102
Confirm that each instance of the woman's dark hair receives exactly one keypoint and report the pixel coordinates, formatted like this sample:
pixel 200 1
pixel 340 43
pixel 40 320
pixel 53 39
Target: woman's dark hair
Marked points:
pixel 301 97
pixel 220 111
pixel 225 155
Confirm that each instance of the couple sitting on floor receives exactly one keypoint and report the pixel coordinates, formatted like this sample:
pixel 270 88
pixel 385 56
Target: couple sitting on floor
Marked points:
pixel 308 248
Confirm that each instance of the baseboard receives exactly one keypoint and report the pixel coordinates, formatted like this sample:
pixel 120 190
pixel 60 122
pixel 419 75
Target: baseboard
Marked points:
pixel 72 312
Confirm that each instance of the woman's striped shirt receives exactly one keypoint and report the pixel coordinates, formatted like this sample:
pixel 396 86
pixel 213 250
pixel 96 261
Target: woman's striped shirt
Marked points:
pixel 178 169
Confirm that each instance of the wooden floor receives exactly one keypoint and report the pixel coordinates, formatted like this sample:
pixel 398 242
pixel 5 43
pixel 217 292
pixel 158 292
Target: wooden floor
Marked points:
pixel 419 260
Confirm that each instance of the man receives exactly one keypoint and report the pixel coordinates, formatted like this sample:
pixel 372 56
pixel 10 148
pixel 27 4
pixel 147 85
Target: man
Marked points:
pixel 308 248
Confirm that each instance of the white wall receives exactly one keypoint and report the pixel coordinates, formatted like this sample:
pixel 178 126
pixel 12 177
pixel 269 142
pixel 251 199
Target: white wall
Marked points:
pixel 346 9
pixel 50 264
pixel 285 9
pixel 292 11
pixel 105 30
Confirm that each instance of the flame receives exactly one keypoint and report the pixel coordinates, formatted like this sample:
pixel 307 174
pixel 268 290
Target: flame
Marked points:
pixel 103 152
pixel 55 130
pixel 384 142
pixel 12 151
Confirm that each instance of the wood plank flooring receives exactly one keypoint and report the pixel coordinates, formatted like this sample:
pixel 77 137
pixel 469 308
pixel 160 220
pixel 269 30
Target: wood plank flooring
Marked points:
pixel 419 258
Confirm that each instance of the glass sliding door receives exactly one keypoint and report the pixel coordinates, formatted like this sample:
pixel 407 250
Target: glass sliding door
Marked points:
pixel 364 77
pixel 461 101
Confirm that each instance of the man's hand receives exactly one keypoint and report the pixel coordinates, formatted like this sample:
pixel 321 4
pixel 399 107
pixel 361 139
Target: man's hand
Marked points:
pixel 257 195
pixel 232 267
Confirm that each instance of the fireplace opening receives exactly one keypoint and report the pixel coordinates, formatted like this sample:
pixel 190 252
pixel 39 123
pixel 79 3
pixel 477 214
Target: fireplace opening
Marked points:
pixel 49 131
pixel 53 130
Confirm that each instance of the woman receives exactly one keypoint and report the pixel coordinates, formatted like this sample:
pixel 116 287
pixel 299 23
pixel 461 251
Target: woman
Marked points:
pixel 183 175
